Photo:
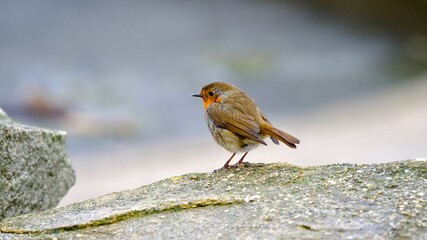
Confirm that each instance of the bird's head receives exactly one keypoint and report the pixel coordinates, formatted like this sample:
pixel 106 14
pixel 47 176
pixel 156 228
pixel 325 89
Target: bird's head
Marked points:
pixel 214 92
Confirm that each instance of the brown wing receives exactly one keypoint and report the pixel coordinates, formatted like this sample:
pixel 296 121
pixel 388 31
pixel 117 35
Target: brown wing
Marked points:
pixel 235 120
pixel 275 141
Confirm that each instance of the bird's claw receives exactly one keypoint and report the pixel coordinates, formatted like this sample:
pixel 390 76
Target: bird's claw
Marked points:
pixel 233 166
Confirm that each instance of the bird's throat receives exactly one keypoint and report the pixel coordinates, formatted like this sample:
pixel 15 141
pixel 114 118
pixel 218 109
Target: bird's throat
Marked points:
pixel 209 101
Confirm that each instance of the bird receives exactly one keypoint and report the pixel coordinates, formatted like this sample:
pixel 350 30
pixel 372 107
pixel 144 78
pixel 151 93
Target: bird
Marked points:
pixel 235 121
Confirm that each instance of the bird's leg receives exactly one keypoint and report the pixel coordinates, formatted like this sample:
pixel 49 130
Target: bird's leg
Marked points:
pixel 228 161
pixel 226 165
pixel 239 162
pixel 241 159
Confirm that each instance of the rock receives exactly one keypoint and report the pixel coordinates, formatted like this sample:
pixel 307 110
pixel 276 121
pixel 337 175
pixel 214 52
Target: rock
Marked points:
pixel 35 172
pixel 3 115
pixel 273 201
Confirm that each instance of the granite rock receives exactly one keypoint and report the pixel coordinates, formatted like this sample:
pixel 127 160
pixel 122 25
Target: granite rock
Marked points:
pixel 257 201
pixel 35 172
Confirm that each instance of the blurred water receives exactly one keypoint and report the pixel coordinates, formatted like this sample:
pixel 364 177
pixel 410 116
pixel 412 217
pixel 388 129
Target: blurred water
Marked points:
pixel 128 68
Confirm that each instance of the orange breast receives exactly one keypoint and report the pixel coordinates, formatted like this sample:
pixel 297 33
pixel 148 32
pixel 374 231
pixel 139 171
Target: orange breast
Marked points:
pixel 208 101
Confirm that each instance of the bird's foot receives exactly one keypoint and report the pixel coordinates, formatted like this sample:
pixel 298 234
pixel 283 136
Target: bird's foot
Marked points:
pixel 240 164
pixel 226 166
pixel 233 166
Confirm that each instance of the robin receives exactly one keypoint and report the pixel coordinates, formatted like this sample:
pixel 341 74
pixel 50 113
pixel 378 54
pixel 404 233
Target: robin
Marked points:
pixel 235 121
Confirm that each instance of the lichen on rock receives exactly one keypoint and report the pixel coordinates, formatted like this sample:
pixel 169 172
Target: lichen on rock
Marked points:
pixel 258 201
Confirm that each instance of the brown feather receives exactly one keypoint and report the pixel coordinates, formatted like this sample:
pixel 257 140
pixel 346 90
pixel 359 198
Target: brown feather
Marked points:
pixel 280 135
pixel 275 141
pixel 240 124
pixel 235 117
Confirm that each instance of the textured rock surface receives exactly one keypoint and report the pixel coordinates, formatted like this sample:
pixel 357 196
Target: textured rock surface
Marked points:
pixel 274 201
pixel 3 115
pixel 35 172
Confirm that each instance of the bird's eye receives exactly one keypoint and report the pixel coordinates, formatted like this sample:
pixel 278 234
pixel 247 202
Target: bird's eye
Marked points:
pixel 210 93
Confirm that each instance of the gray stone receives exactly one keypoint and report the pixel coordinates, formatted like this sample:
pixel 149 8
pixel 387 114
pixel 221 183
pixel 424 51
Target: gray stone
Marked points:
pixel 273 201
pixel 3 115
pixel 35 172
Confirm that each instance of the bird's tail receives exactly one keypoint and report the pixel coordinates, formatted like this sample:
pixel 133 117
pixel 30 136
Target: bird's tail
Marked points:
pixel 280 135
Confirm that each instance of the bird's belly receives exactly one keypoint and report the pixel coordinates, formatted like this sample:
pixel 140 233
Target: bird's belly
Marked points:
pixel 231 141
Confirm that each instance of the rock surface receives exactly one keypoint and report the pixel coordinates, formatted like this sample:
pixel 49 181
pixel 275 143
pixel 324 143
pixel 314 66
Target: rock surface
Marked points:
pixel 274 201
pixel 35 172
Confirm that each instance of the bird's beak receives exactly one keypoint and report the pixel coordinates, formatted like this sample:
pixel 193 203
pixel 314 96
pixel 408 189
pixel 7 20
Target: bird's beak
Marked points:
pixel 197 95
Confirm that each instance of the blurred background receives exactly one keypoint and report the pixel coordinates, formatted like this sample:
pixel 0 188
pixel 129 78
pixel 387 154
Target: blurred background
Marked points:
pixel 348 78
